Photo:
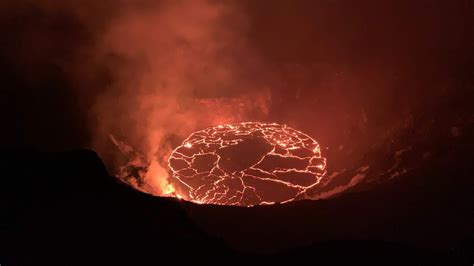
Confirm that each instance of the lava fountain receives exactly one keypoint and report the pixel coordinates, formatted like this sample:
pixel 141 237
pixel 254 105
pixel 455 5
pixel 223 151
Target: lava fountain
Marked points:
pixel 245 164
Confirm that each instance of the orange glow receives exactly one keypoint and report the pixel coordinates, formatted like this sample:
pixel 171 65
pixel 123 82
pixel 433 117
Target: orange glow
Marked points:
pixel 168 189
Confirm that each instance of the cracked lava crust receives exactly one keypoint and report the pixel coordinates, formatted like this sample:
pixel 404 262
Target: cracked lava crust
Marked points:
pixel 246 164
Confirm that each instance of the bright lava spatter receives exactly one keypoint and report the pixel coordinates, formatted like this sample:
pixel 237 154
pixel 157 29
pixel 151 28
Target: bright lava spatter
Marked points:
pixel 246 164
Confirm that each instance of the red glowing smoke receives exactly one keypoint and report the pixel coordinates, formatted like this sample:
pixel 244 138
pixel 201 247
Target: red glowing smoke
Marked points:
pixel 178 66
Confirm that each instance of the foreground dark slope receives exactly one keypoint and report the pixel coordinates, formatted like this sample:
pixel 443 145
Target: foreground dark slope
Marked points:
pixel 67 210
pixel 64 208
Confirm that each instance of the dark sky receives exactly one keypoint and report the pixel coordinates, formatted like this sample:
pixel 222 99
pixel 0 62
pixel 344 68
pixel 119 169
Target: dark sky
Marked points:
pixel 338 70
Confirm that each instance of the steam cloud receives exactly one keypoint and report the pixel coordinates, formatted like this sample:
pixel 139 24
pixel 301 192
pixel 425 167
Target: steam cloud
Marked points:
pixel 178 66
pixel 150 72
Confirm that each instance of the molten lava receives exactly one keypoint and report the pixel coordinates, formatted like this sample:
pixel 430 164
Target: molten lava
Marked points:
pixel 246 164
